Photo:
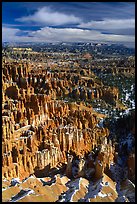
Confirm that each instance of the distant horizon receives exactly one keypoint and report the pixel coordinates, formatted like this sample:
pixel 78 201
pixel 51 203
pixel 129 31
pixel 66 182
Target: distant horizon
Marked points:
pixel 104 43
pixel 69 22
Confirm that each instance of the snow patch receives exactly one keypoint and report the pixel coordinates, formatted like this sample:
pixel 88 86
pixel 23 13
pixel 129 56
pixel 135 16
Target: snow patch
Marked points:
pixel 102 195
pixel 15 181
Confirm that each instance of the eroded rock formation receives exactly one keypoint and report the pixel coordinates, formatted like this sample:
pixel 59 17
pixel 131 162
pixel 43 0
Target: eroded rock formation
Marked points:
pixel 40 130
pixel 37 130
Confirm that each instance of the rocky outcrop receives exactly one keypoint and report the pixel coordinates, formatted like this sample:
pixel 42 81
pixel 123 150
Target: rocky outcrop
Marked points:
pixel 93 164
pixel 39 129
pixel 61 189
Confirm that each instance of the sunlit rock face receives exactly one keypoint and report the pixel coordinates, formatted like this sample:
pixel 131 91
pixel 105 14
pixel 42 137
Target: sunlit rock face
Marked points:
pixel 41 132
pixel 38 131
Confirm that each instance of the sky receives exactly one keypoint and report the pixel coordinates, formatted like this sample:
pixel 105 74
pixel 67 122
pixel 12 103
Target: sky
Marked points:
pixel 101 22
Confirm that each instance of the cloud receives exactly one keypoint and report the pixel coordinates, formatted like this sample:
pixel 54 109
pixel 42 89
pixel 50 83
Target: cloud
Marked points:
pixel 14 35
pixel 74 34
pixel 48 34
pixel 109 24
pixel 46 16
pixel 9 33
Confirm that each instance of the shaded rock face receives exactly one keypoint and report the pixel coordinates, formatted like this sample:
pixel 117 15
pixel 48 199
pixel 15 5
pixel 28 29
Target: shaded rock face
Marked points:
pixel 92 165
pixel 12 92
pixel 110 95
pixel 126 129
pixel 131 167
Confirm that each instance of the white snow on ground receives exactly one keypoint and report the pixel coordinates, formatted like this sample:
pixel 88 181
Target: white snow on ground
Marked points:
pixel 130 182
pixel 132 87
pixel 133 103
pixel 22 128
pixel 93 190
pixel 100 124
pixel 127 96
pixel 106 184
pixel 77 188
pixel 73 186
pixel 5 179
pixel 99 162
pixel 100 194
pixel 3 189
pixel 15 181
